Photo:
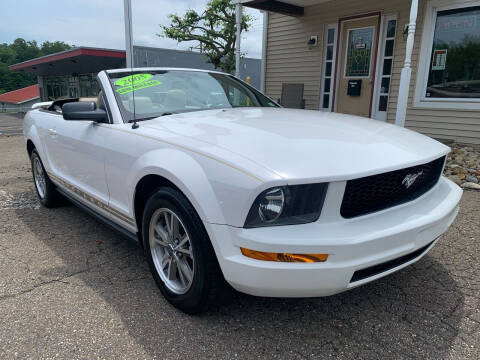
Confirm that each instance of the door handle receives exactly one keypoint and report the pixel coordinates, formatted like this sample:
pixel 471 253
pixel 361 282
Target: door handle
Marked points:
pixel 52 132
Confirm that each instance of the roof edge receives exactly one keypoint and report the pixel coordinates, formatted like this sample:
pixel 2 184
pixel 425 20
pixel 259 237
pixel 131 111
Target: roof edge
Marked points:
pixel 182 51
pixel 24 101
pixel 89 51
pixel 18 96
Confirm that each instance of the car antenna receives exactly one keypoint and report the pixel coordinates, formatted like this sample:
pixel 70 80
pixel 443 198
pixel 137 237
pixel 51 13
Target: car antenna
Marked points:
pixel 135 124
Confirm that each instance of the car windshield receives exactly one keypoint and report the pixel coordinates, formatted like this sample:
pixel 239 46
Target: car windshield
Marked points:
pixel 147 94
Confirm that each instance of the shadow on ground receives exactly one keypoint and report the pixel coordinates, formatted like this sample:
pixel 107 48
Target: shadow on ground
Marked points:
pixel 413 313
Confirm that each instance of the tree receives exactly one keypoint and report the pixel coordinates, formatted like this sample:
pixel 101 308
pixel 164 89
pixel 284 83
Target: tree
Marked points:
pixel 18 51
pixel 53 47
pixel 214 29
pixel 25 50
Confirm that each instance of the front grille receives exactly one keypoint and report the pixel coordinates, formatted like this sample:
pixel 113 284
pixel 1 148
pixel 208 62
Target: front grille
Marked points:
pixel 377 192
pixel 385 266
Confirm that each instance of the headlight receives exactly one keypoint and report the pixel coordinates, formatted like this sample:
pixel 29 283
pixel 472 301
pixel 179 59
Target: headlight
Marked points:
pixel 271 204
pixel 287 205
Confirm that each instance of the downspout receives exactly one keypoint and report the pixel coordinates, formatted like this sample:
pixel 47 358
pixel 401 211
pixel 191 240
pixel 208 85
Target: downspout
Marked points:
pixel 402 101
pixel 238 16
pixel 264 52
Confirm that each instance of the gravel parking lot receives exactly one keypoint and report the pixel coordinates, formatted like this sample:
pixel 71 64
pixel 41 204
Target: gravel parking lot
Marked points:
pixel 71 288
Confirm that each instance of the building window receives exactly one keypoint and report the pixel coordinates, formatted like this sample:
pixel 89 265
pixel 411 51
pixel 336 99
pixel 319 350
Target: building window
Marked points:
pixel 88 85
pixel 328 61
pixel 387 58
pixel 359 52
pixel 454 70
pixel 449 64
pixel 56 87
pixel 72 87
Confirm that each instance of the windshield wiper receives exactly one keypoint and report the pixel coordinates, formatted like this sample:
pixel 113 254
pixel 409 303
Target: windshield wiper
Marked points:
pixel 150 117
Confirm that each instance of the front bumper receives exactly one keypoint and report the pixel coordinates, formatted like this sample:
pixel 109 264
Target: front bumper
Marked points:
pixel 352 244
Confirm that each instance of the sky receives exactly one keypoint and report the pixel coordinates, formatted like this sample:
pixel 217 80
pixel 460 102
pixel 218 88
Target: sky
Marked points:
pixel 99 23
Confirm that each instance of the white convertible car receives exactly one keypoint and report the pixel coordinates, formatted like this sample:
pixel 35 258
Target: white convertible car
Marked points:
pixel 221 185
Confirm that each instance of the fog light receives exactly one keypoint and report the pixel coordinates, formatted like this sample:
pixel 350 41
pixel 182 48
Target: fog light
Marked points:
pixel 284 257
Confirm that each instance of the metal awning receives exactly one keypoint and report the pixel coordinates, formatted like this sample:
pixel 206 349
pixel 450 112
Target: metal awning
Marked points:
pixel 285 7
pixel 78 60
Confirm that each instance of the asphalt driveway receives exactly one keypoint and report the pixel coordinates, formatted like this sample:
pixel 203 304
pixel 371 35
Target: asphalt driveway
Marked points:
pixel 71 288
pixel 11 124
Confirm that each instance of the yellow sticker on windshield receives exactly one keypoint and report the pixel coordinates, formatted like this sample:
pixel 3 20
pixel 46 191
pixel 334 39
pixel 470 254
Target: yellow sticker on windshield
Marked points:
pixel 132 79
pixel 134 82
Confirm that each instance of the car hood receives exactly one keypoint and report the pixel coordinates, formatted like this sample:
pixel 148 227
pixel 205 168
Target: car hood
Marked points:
pixel 302 144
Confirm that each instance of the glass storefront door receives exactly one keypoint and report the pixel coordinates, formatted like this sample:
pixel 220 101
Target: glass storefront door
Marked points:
pixel 63 87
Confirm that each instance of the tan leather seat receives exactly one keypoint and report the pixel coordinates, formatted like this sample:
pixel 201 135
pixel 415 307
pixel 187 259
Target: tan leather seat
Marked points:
pixel 175 100
pixel 83 99
pixel 143 105
pixel 218 100
pixel 99 100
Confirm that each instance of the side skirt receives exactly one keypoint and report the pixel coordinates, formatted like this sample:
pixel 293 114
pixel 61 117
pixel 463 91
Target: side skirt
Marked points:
pixel 114 226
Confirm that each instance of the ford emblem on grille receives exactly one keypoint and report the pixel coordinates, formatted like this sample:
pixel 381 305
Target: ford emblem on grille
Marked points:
pixel 410 179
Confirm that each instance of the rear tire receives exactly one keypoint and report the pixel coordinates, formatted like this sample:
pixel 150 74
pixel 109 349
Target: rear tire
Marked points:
pixel 46 191
pixel 179 252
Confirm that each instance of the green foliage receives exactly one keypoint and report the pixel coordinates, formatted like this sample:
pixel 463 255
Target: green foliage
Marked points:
pixel 214 29
pixel 53 47
pixel 19 51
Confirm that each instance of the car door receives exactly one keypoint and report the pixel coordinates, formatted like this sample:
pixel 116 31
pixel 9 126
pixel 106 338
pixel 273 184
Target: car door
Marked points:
pixel 76 152
pixel 46 123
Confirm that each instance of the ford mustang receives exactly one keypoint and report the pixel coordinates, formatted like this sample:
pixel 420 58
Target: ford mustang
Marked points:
pixel 220 185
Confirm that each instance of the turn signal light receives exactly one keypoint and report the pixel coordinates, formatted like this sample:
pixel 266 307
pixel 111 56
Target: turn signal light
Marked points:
pixel 284 257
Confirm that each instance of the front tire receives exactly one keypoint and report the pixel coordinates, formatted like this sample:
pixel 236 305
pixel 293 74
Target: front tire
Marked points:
pixel 179 252
pixel 48 195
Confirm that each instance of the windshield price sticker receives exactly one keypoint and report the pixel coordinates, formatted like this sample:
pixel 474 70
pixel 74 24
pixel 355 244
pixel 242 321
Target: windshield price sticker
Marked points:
pixel 142 85
pixel 131 83
pixel 135 79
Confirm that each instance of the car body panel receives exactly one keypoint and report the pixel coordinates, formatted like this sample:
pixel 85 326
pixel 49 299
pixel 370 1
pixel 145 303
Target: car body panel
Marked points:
pixel 73 150
pixel 351 244
pixel 206 182
pixel 301 145
pixel 82 142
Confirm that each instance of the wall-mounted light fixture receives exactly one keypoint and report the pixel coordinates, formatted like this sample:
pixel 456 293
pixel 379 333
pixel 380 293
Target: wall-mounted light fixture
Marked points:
pixel 313 41
pixel 405 32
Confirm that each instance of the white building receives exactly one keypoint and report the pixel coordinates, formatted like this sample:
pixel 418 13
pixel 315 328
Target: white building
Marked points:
pixel 410 62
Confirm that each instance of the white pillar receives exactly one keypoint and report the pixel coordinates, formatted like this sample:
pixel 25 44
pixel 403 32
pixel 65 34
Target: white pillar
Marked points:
pixel 127 14
pixel 402 101
pixel 238 16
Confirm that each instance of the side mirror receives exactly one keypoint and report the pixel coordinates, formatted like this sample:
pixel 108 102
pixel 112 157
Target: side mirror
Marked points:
pixel 83 111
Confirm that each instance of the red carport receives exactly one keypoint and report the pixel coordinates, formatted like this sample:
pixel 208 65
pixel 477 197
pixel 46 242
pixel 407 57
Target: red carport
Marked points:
pixel 71 73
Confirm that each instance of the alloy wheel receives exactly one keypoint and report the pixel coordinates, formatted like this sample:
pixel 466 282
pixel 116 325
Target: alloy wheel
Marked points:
pixel 39 177
pixel 171 250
